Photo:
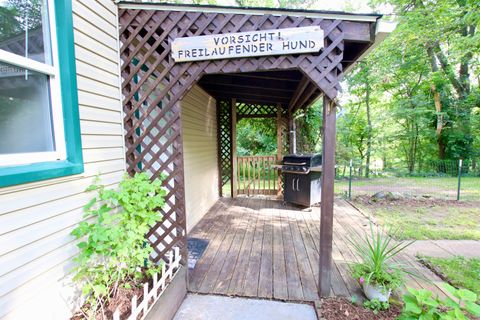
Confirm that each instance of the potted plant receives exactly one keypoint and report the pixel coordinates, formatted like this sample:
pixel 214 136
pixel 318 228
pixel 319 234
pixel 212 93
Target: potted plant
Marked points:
pixel 377 272
pixel 113 259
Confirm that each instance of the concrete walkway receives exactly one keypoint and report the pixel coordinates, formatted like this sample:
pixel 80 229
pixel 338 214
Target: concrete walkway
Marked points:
pixel 445 248
pixel 209 307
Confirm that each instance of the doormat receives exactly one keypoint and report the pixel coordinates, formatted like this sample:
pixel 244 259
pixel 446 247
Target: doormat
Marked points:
pixel 196 247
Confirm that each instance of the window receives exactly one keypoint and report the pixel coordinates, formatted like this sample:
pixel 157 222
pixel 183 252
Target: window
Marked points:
pixel 39 122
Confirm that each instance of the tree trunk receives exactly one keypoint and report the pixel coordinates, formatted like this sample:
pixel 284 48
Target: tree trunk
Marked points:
pixel 438 106
pixel 369 128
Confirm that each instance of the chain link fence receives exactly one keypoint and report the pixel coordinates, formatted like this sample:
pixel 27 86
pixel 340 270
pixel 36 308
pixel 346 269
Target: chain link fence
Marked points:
pixel 440 179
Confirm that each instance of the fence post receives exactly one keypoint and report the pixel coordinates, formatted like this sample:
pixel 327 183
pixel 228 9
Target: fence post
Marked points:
pixel 459 178
pixel 350 181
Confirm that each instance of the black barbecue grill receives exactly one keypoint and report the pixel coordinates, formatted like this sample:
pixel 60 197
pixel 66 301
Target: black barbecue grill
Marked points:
pixel 302 174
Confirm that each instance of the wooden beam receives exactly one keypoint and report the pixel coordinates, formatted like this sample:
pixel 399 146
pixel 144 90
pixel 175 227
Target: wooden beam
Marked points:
pixel 358 31
pixel 258 92
pixel 248 100
pixel 265 77
pixel 298 92
pixel 327 196
pixel 225 80
pixel 309 91
pixel 239 117
pixel 292 134
pixel 234 148
pixel 279 147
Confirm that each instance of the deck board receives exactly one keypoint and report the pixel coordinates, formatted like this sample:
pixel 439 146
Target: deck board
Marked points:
pixel 280 291
pixel 258 247
pixel 253 269
pixel 265 281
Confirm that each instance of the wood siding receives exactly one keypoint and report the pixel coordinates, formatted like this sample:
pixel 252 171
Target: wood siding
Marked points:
pixel 36 219
pixel 200 154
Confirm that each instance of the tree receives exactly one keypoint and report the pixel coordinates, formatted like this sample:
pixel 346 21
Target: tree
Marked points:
pixel 447 33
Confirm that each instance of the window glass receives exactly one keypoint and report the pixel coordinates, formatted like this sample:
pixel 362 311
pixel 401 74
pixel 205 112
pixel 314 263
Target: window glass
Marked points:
pixel 24 29
pixel 25 113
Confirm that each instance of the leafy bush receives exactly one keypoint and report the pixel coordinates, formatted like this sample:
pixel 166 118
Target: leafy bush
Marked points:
pixel 376 250
pixel 113 250
pixel 420 304
pixel 376 305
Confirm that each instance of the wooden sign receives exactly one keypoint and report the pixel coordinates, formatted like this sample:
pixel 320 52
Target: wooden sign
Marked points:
pixel 248 44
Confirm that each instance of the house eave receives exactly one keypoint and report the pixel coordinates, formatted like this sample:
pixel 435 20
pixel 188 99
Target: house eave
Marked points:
pixel 365 17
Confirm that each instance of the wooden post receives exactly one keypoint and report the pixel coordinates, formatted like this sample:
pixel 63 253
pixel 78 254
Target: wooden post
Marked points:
pixel 292 133
pixel 328 176
pixel 279 148
pixel 234 148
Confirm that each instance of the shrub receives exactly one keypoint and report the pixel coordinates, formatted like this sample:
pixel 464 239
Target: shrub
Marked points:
pixel 113 250
pixel 376 305
pixel 376 250
pixel 420 304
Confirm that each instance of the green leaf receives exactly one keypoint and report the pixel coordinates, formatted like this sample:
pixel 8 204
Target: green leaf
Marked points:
pixel 472 308
pixel 459 314
pixel 450 303
pixel 467 295
pixel 90 204
pixel 412 307
pixel 451 289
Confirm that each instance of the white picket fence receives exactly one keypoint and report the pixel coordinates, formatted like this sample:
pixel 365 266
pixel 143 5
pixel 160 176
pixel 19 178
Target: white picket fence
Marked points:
pixel 150 297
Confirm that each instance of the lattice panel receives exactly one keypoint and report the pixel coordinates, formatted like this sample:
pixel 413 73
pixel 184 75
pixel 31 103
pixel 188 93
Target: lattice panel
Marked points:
pixel 247 110
pixel 153 84
pixel 224 125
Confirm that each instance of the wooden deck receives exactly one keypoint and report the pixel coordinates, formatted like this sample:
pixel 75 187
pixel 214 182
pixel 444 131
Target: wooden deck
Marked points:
pixel 262 248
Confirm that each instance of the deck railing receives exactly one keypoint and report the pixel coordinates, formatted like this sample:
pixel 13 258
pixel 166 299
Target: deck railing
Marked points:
pixel 255 175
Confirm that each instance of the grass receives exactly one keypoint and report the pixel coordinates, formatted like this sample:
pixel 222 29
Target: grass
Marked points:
pixel 422 220
pixel 438 187
pixel 460 271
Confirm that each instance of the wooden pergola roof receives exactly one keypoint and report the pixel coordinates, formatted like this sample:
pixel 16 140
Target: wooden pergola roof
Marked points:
pixel 290 88
pixel 154 84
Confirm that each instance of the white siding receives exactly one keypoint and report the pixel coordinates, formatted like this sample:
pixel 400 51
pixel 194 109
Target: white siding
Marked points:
pixel 200 154
pixel 36 219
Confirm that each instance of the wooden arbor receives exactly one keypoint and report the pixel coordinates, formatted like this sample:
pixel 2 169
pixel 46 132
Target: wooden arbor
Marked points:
pixel 153 84
pixel 228 113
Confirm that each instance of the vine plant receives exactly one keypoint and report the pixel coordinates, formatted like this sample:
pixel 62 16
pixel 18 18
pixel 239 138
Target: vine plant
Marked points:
pixel 112 248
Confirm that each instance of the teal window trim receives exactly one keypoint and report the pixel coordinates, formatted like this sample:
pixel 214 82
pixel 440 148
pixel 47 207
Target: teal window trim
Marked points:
pixel 14 175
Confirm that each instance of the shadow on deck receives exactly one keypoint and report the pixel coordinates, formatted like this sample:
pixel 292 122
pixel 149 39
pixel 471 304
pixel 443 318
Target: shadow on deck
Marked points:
pixel 262 248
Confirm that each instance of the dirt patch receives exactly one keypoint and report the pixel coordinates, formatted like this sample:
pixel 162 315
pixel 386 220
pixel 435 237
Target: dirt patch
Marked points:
pixel 414 202
pixel 342 309
pixel 121 301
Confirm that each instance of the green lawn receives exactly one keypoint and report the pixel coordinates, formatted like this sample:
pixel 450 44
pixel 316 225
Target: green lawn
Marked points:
pixel 437 187
pixel 460 271
pixel 426 219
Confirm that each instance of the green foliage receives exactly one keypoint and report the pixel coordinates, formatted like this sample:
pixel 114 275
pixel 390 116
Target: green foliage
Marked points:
pixel 461 272
pixel 376 305
pixel 436 43
pixel 377 250
pixel 16 14
pixel 256 137
pixel 420 304
pixel 112 247
pixel 309 128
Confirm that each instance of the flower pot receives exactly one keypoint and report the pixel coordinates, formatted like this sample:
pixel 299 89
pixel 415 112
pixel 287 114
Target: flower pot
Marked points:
pixel 373 291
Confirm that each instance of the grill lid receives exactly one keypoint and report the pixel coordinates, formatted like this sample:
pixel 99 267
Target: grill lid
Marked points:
pixel 303 159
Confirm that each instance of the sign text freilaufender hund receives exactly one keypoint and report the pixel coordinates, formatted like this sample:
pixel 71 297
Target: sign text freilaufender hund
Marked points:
pixel 248 44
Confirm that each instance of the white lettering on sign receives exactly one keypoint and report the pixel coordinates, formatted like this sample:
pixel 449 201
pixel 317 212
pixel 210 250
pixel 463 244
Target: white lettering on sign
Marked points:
pixel 248 44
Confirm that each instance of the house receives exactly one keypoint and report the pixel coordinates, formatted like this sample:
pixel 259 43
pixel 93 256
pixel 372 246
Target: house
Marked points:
pixel 91 87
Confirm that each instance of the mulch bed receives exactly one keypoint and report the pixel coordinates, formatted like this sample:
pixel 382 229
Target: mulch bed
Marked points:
pixel 414 202
pixel 122 301
pixel 341 308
